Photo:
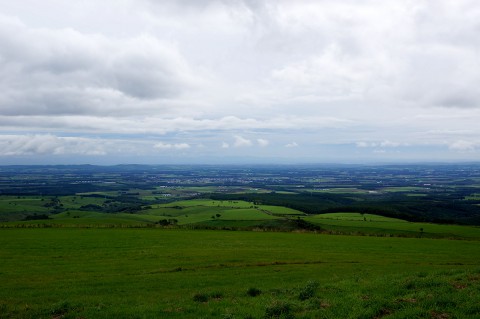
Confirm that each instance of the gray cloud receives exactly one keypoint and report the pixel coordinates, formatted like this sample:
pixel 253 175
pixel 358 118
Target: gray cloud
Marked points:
pixel 159 125
pixel 67 72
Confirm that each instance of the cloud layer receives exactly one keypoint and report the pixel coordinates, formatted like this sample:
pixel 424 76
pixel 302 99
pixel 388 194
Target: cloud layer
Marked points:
pixel 362 79
pixel 12 145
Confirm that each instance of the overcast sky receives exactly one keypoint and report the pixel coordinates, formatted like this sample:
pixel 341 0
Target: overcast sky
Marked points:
pixel 186 81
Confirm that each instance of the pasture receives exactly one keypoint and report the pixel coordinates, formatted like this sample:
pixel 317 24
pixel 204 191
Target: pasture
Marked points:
pixel 15 207
pixel 161 273
pixel 375 224
pixel 222 214
pixel 206 210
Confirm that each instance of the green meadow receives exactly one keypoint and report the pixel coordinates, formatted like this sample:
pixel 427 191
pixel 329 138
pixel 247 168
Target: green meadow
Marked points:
pixel 174 273
pixel 221 214
pixel 203 210
pixel 13 207
pixel 374 224
pixel 81 263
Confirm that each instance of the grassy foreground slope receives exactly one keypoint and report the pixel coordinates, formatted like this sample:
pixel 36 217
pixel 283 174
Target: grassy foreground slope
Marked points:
pixel 155 273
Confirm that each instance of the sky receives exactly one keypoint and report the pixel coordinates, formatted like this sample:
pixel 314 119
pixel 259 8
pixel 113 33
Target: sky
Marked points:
pixel 239 81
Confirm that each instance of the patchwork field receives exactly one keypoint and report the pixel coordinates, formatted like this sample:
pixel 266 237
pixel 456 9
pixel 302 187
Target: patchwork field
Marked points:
pixel 225 214
pixel 155 273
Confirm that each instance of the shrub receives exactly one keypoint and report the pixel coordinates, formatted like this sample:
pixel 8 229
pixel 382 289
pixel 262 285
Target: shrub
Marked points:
pixel 36 217
pixel 253 292
pixel 200 297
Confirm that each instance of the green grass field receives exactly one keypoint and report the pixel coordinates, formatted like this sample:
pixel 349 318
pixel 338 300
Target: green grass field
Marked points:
pixel 280 210
pixel 475 196
pixel 155 273
pixel 205 210
pixel 227 213
pixel 18 207
pixel 404 189
pixel 337 190
pixel 14 207
pixel 208 203
pixel 358 217
pixel 75 218
pixel 374 224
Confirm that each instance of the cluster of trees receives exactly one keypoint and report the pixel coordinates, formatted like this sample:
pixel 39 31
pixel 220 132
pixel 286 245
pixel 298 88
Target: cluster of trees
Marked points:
pixel 167 222
pixel 36 217
pixel 118 204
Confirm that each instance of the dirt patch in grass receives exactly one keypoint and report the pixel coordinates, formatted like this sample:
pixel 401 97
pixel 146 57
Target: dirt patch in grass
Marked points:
pixel 439 315
pixel 383 313
pixel 408 300
pixel 459 286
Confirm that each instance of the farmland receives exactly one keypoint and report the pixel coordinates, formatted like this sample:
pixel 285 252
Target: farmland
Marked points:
pixel 422 193
pixel 242 215
pixel 240 242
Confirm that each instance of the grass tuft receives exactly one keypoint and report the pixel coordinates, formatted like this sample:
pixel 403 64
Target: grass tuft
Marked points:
pixel 279 309
pixel 308 291
pixel 205 297
pixel 62 308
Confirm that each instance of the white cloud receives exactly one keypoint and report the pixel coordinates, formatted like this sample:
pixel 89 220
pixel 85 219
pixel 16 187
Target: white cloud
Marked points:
pixel 464 146
pixel 262 142
pixel 241 141
pixel 13 145
pixel 166 146
pixel 384 143
pixel 363 144
pixel 387 143
pixel 292 144
pixel 225 145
